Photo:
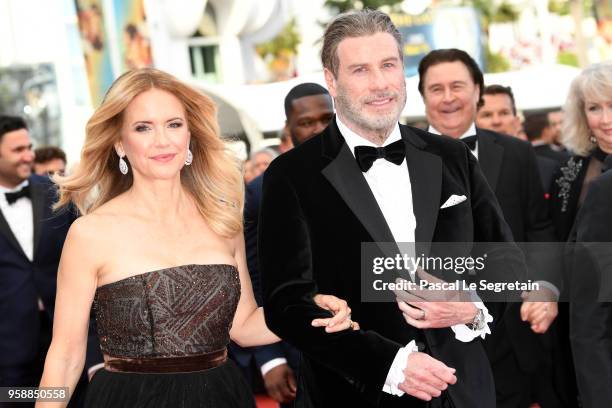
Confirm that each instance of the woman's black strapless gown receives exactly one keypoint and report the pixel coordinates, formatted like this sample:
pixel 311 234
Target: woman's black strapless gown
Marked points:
pixel 166 334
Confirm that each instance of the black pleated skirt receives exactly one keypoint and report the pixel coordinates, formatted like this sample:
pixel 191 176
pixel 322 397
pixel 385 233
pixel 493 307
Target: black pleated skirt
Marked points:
pixel 219 387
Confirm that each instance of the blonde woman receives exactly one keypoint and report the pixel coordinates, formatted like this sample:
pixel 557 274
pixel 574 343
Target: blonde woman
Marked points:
pixel 160 254
pixel 587 132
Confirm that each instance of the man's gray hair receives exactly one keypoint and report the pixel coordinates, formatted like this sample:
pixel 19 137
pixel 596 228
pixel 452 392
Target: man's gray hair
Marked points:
pixel 355 23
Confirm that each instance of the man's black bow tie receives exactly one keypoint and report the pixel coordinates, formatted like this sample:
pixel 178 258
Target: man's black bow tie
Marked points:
pixel 367 155
pixel 16 195
pixel 470 141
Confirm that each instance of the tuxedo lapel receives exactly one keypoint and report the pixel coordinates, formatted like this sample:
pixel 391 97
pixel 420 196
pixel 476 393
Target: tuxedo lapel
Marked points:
pixel 490 157
pixel 425 171
pixel 38 197
pixel 5 229
pixel 346 177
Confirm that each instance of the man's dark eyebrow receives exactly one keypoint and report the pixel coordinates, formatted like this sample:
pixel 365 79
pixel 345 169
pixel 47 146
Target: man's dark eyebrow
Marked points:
pixel 30 146
pixel 360 64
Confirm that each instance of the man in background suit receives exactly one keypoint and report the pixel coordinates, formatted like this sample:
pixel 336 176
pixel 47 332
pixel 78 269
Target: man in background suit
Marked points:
pixel 368 179
pixel 539 133
pixel 498 113
pixel 31 240
pixel 542 137
pixel 308 110
pixel 451 85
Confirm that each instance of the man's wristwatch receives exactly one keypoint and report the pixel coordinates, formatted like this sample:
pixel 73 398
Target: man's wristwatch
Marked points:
pixel 479 321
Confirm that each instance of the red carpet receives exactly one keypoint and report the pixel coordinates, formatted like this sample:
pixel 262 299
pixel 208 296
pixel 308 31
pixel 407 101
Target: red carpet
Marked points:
pixel 263 401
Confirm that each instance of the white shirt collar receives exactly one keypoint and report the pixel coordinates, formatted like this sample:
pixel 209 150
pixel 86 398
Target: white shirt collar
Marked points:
pixel 539 142
pixel 353 139
pixel 471 131
pixel 21 185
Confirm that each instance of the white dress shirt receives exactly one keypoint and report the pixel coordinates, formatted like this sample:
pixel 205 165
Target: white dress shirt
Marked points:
pixel 471 131
pixel 20 218
pixel 390 185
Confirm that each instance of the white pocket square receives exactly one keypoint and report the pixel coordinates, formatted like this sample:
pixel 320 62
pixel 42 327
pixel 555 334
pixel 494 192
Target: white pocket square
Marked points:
pixel 453 200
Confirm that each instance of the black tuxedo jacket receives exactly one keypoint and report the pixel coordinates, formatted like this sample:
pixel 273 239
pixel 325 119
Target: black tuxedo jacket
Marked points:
pixel 511 168
pixel 317 209
pixel 23 281
pixel 591 268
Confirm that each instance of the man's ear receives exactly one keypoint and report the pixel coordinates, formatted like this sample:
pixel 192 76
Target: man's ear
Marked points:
pixel 517 123
pixel 478 96
pixel 330 80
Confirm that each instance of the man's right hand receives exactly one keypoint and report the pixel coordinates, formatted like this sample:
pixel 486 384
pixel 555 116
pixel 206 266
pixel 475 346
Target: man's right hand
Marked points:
pixel 280 384
pixel 425 377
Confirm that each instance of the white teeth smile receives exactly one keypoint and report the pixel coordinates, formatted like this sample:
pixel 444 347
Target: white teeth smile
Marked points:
pixel 381 102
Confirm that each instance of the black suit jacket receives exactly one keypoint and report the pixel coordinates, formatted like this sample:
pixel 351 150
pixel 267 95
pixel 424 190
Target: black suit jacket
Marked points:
pixel 511 168
pixel 23 281
pixel 545 150
pixel 547 168
pixel 317 209
pixel 591 268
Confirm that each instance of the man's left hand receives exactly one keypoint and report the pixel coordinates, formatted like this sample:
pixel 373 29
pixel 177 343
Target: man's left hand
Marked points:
pixel 540 314
pixel 432 309
pixel 433 315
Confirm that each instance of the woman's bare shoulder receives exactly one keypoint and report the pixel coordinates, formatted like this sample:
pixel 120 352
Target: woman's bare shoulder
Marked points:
pixel 97 224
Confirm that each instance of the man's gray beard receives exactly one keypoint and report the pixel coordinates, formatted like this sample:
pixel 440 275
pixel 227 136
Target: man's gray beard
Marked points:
pixel 364 121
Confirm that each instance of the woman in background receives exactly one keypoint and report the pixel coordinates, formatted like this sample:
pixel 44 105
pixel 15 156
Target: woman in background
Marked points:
pixel 587 132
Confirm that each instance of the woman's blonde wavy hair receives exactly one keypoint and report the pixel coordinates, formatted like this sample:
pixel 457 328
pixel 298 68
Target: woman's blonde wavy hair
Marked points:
pixel 214 178
pixel 594 82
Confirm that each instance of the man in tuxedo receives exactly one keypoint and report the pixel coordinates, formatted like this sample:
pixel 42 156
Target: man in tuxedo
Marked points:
pixel 451 85
pixel 325 198
pixel 31 240
pixel 308 110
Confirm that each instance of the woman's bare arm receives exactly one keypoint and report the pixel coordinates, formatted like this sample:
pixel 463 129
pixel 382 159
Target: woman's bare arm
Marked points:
pixel 249 327
pixel 76 286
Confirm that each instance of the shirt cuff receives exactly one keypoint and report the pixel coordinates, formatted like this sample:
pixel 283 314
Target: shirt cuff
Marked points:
pixel 396 373
pixel 465 334
pixel 92 370
pixel 275 362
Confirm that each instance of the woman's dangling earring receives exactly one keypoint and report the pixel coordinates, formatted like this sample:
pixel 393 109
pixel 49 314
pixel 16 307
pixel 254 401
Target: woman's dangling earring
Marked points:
pixel 123 167
pixel 189 158
pixel 593 139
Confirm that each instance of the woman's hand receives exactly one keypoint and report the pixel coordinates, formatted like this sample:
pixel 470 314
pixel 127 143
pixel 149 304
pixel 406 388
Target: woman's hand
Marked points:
pixel 341 311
